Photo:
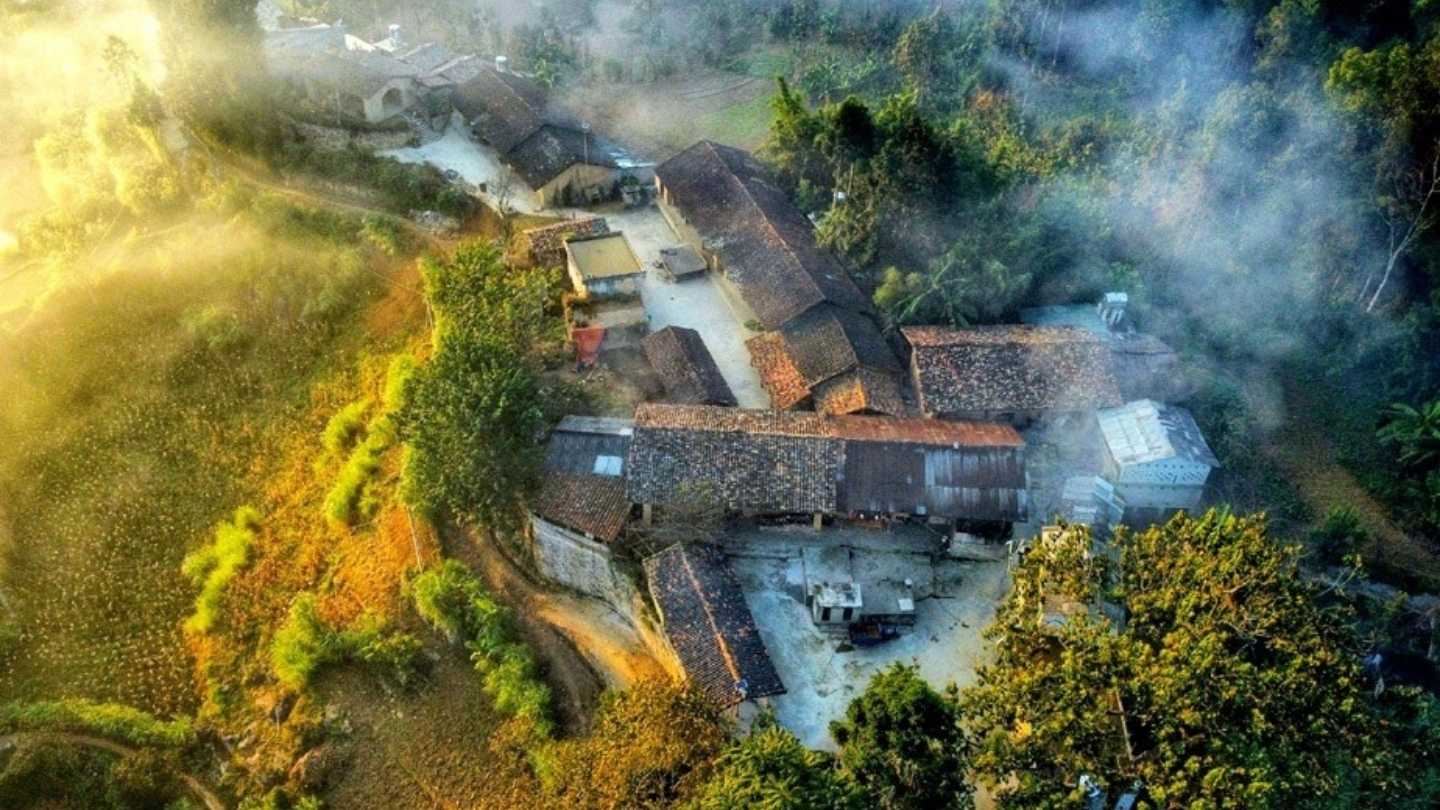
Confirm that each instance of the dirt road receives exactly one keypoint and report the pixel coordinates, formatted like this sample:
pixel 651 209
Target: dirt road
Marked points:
pixel 195 786
pixel 586 646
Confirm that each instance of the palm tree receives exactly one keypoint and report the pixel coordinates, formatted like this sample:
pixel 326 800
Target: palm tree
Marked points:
pixel 1416 431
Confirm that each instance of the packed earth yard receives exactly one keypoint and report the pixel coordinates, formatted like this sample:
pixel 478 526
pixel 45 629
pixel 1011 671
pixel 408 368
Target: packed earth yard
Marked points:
pixel 712 404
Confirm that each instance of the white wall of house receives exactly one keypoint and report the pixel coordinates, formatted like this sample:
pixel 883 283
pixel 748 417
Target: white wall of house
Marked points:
pixel 397 96
pixel 1164 484
pixel 581 563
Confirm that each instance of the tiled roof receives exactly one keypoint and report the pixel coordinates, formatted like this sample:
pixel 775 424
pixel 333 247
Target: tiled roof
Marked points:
pixel 766 245
pixel 827 340
pixel 793 462
pixel 591 504
pixel 537 138
pixel 860 391
pixel 505 109
pixel 784 382
pixel 686 368
pixel 1005 369
pixel 547 243
pixel 709 626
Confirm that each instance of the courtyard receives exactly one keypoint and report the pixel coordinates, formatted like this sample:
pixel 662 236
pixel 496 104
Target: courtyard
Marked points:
pixel 954 601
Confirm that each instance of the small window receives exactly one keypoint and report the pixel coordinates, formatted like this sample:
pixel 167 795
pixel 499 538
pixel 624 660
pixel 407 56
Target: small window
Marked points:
pixel 607 465
pixel 849 612
pixel 825 614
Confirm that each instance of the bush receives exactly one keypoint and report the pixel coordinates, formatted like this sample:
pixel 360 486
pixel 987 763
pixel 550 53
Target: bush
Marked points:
pixel 385 234
pixel 451 599
pixel 1340 536
pixel 397 381
pixel 349 498
pixel 213 566
pixel 305 644
pixel 345 426
pixel 109 720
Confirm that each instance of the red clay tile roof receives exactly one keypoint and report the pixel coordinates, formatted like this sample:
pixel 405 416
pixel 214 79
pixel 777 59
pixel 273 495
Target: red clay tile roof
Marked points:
pixel 709 625
pixel 915 430
pixel 766 245
pixel 860 391
pixel 828 340
pixel 1010 369
pixel 590 504
pixel 777 373
pixel 686 368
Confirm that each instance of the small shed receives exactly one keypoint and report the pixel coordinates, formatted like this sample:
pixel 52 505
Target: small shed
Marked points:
pixel 686 368
pixel 603 266
pixel 1155 455
pixel 679 263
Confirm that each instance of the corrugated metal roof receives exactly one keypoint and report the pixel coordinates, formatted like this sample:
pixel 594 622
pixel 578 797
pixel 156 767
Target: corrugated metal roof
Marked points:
pixel 1144 431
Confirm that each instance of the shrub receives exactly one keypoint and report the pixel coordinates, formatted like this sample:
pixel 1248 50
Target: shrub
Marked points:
pixel 385 234
pixel 348 498
pixel 1341 535
pixel 301 645
pixel 109 720
pixel 305 643
pixel 397 381
pixel 451 599
pixel 345 426
pixel 213 566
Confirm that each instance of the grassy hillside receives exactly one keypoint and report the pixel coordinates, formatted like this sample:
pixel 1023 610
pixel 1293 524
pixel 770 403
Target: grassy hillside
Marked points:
pixel 139 404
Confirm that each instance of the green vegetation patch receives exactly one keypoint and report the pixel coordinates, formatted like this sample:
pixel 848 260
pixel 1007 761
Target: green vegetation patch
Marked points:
pixel 213 566
pixel 452 599
pixel 305 643
pixel 109 720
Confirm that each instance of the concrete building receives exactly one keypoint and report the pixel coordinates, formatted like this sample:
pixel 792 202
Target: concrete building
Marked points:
pixel 603 266
pixel 1155 456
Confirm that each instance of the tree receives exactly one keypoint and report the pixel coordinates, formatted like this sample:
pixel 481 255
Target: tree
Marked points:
pixel 1227 683
pixel 474 412
pixel 652 745
pixel 902 743
pixel 771 769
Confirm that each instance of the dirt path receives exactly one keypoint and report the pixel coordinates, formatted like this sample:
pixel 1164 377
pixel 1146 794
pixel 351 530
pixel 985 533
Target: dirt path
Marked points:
pixel 600 641
pixel 195 786
pixel 1302 448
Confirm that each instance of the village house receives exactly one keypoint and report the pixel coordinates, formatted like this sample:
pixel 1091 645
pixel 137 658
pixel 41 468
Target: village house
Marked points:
pixel 1144 366
pixel 356 84
pixel 603 266
pixel 582 508
pixel 546 244
pixel 554 154
pixel 1014 373
pixel 821 348
pixel 1155 456
pixel 791 463
pixel 686 368
pixel 709 627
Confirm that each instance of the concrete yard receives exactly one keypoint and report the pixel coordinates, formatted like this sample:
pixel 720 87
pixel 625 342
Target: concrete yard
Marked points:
pixel 476 164
pixel 695 302
pixel 954 602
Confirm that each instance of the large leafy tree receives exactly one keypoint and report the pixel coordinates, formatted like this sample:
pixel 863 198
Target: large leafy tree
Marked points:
pixel 771 769
pixel 474 412
pixel 903 744
pixel 1226 684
